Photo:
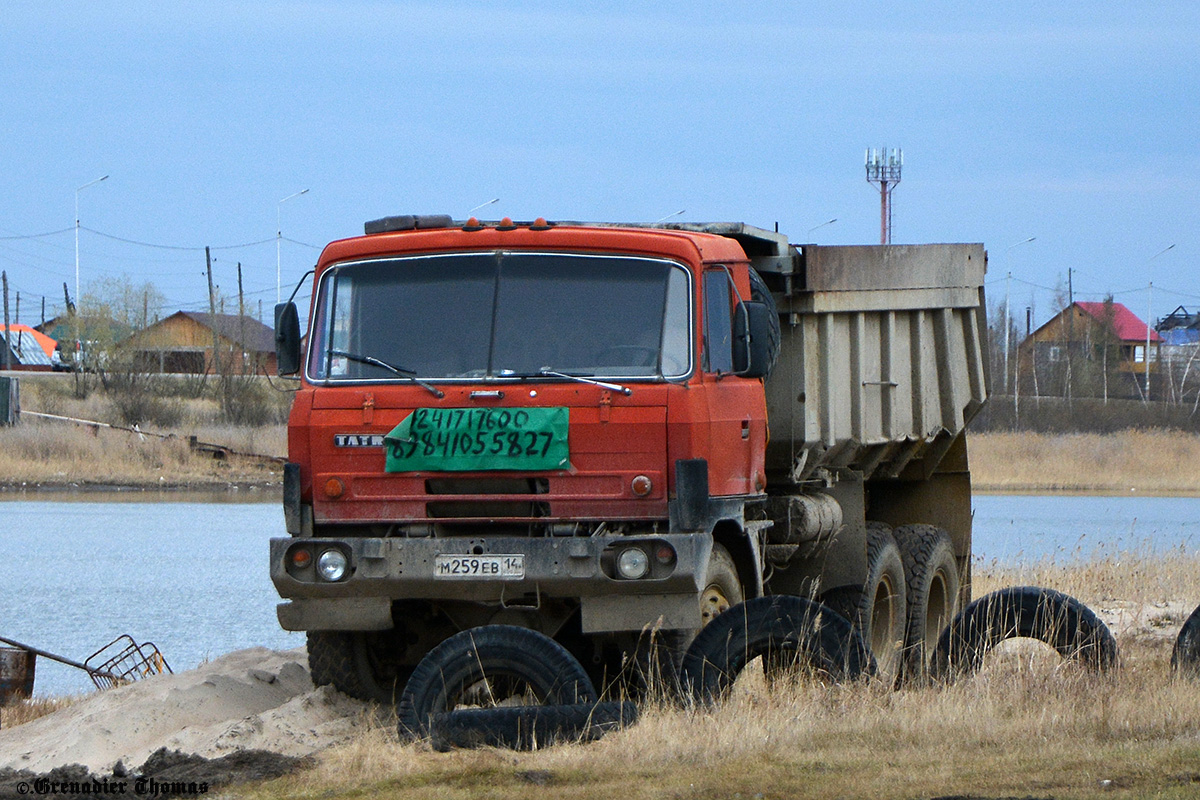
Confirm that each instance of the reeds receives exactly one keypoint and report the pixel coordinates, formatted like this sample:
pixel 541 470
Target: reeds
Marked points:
pixel 1143 461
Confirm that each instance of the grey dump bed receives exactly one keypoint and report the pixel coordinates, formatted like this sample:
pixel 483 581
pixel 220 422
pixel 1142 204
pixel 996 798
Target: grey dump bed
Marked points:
pixel 882 359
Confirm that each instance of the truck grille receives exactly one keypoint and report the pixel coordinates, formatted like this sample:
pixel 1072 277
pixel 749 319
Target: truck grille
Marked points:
pixel 477 497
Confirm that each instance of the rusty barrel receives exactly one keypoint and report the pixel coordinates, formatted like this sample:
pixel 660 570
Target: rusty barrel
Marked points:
pixel 16 674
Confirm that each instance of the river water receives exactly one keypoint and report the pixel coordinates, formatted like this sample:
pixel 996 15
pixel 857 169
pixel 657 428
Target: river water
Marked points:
pixel 192 577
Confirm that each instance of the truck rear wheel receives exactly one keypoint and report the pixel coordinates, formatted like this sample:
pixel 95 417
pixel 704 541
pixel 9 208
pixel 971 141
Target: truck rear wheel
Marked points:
pixel 932 578
pixel 359 664
pixel 878 610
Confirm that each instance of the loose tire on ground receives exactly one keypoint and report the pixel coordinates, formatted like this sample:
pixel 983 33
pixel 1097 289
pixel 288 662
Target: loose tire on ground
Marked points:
pixel 933 583
pixel 528 727
pixel 1185 657
pixel 777 627
pixel 354 663
pixel 1030 612
pixel 490 665
pixel 879 609
pixel 759 293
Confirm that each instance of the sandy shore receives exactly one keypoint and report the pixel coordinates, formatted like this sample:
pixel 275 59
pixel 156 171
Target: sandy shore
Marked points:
pixel 250 699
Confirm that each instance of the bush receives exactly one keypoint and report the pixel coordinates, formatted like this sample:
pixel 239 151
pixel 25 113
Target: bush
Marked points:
pixel 140 407
pixel 251 401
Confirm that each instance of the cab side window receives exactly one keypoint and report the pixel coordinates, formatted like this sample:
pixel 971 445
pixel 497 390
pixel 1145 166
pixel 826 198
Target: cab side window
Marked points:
pixel 718 322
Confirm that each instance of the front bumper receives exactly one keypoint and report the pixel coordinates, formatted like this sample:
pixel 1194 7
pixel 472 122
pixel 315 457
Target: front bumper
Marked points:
pixel 577 568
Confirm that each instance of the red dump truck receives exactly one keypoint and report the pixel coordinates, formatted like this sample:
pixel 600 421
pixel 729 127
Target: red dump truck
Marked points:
pixel 599 430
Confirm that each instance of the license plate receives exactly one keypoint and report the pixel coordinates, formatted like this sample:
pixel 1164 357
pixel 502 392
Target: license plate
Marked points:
pixel 505 567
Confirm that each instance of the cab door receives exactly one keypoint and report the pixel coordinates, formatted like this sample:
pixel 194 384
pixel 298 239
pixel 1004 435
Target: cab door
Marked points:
pixel 736 406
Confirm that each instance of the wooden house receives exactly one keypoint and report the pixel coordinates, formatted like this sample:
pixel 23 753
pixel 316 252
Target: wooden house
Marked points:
pixel 183 343
pixel 1099 347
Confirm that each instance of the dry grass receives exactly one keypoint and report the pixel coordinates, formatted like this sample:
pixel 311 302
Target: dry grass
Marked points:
pixel 1028 724
pixel 28 710
pixel 40 451
pixel 45 452
pixel 1149 462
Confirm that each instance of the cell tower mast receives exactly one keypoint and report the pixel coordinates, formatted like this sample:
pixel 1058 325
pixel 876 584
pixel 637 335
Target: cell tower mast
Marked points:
pixel 883 168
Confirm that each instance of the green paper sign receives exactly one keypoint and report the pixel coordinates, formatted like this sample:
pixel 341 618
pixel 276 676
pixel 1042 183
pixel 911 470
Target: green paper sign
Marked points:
pixel 479 439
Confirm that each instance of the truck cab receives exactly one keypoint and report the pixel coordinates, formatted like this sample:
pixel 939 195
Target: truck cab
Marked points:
pixel 549 425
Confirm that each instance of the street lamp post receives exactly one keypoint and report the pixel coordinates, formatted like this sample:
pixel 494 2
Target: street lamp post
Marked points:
pixel 1150 320
pixel 1007 325
pixel 77 191
pixel 279 239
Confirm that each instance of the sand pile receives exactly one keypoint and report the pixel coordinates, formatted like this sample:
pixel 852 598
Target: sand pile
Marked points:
pixel 250 699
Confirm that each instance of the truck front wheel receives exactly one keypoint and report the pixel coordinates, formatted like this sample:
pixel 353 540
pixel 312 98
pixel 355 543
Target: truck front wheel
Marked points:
pixel 364 665
pixel 659 655
pixel 722 588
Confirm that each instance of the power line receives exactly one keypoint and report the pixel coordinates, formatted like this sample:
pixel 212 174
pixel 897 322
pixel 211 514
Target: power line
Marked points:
pixel 39 235
pixel 176 247
pixel 302 244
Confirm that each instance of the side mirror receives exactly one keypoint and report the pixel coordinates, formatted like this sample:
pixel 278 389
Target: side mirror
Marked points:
pixel 751 339
pixel 287 339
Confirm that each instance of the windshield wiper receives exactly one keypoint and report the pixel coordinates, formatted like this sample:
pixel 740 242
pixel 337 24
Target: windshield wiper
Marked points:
pixel 407 374
pixel 612 387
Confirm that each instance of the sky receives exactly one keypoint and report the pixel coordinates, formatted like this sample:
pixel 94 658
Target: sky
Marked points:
pixel 1071 125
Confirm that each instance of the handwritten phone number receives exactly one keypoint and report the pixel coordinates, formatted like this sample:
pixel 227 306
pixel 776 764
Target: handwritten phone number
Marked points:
pixel 478 419
pixel 513 444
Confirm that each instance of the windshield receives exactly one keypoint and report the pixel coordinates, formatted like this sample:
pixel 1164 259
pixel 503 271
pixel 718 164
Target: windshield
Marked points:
pixel 501 314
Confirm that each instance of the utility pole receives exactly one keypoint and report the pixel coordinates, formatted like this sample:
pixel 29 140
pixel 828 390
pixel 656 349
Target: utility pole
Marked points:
pixel 241 320
pixel 212 315
pixel 1070 329
pixel 7 331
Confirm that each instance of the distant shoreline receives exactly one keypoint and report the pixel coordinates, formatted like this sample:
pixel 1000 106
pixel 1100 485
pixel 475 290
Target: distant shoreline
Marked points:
pixel 240 490
pixel 57 460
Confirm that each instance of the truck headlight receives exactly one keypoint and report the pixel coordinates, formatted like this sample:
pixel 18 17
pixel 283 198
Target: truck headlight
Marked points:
pixel 633 563
pixel 331 565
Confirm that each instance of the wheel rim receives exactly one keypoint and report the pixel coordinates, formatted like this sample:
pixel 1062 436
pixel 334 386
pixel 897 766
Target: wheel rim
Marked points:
pixel 885 619
pixel 712 602
pixel 937 611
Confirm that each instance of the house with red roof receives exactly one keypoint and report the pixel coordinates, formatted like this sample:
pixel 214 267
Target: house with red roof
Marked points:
pixel 1094 342
pixel 28 349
